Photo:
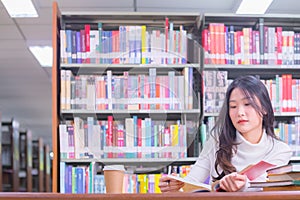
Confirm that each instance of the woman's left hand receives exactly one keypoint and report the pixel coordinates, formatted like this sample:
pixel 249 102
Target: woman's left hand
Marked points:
pixel 233 182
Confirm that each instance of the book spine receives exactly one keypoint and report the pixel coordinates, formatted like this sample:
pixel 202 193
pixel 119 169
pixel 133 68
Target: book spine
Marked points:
pixel 87 29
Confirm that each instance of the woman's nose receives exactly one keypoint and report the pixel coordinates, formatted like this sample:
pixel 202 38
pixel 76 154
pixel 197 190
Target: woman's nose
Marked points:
pixel 241 111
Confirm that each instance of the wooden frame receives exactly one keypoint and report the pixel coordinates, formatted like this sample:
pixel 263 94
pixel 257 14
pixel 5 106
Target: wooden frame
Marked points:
pixel 56 17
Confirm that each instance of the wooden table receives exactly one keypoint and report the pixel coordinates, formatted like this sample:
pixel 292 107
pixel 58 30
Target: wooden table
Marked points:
pixel 280 195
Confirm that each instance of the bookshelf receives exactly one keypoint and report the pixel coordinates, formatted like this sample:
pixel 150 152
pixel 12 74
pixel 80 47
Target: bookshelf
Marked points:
pixel 38 165
pixel 25 173
pixel 259 55
pixel 48 168
pixel 10 156
pixel 112 66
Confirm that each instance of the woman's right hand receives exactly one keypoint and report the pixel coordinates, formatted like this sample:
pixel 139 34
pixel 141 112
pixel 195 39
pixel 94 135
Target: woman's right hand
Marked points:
pixel 167 184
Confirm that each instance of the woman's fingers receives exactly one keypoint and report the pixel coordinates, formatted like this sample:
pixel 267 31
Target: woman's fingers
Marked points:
pixel 233 182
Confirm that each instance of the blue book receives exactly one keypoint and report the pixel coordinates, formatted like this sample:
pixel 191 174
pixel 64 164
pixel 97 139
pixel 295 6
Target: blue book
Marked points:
pixel 69 179
pixel 79 180
pixel 78 47
pixel 69 45
pixel 73 47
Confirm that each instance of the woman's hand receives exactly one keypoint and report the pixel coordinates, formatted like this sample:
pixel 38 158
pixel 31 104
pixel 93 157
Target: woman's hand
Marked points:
pixel 233 182
pixel 167 184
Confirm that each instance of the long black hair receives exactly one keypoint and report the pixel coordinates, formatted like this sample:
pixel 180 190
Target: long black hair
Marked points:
pixel 253 88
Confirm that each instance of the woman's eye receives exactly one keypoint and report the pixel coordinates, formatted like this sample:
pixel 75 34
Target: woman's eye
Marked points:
pixel 232 107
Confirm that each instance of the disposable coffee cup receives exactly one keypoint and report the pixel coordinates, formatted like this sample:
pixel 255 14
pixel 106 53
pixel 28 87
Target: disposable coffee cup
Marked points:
pixel 114 177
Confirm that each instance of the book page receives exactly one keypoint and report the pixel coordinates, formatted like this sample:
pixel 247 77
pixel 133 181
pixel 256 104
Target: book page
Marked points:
pixel 190 186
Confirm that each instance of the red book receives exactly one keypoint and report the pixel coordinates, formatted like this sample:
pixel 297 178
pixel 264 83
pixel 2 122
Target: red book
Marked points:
pixel 212 47
pixel 139 137
pixel 205 45
pixel 289 92
pixel 256 170
pixel 284 93
pixel 109 141
pixel 87 29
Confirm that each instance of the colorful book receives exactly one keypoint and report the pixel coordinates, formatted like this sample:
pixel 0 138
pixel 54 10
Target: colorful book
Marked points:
pixel 292 167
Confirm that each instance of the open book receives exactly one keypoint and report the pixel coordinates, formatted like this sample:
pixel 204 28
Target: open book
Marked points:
pixel 252 172
pixel 190 186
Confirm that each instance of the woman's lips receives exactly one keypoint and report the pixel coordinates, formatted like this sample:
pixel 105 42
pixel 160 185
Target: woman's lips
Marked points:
pixel 242 121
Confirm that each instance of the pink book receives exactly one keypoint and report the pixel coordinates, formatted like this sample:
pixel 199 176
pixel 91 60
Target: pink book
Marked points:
pixel 256 170
pixel 109 141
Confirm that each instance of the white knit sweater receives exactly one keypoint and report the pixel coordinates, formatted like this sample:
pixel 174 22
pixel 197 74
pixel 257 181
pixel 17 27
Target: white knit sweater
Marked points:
pixel 268 149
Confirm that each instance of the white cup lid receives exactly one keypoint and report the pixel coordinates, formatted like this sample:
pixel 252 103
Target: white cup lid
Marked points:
pixel 114 167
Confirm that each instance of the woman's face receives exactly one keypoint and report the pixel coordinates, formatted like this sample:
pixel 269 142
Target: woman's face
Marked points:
pixel 244 117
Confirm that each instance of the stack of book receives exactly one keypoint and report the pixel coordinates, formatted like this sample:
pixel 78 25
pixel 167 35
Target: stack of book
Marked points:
pixel 285 177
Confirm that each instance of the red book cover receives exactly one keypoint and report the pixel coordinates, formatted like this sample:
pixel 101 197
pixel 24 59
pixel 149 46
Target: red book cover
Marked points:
pixel 212 37
pixel 157 90
pixel 294 95
pixel 205 45
pixel 221 43
pixel 289 92
pixel 284 93
pixel 87 29
pixel 256 170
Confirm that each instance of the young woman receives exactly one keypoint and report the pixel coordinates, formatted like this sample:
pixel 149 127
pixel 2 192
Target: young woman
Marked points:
pixel 243 135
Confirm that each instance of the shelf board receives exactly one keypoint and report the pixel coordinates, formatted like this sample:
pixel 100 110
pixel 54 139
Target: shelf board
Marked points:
pixel 152 161
pixel 192 111
pixel 132 68
pixel 285 20
pixel 254 67
pixel 111 66
pixel 110 19
pixel 277 114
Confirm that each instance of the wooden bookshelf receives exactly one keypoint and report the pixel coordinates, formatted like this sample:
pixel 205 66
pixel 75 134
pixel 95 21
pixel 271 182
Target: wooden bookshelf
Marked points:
pixel 111 21
pixel 47 170
pixel 38 165
pixel 264 62
pixel 10 156
pixel 25 173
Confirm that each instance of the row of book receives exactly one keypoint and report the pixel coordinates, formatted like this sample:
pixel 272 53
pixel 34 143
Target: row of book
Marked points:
pixel 129 138
pixel 80 179
pixel 128 92
pixel 128 44
pixel 284 91
pixel 265 45
pixel 289 132
pixel 286 177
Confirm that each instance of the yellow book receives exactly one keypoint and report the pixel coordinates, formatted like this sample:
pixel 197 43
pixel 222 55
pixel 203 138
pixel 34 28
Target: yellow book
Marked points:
pixel 144 42
pixel 156 182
